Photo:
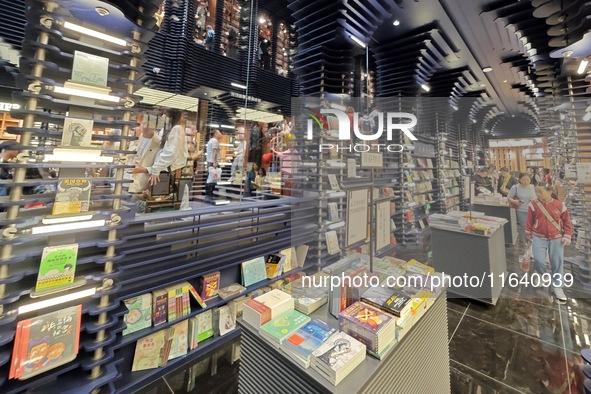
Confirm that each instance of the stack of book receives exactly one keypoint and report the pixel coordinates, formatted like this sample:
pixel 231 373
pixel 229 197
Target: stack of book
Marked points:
pixel 171 303
pixel 262 309
pixel 338 357
pixel 282 326
pixel 392 301
pixel 371 326
pixel 303 342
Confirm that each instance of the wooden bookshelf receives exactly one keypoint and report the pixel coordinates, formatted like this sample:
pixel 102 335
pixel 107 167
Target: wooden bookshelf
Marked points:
pixel 7 121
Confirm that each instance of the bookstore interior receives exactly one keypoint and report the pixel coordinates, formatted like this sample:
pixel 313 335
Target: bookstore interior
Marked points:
pixel 261 196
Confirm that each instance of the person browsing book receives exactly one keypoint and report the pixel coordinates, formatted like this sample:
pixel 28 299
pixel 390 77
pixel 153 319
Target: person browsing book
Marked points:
pixel 213 156
pixel 549 228
pixel 173 152
pixel 506 181
pixel 147 149
pixel 483 182
pixel 519 197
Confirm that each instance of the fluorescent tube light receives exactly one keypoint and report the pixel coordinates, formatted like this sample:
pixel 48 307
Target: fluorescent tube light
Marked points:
pixel 227 126
pixel 66 219
pixel 425 87
pixel 357 41
pixel 214 125
pixel 238 85
pixel 56 301
pixel 582 66
pixel 95 34
pixel 86 93
pixel 77 158
pixel 67 226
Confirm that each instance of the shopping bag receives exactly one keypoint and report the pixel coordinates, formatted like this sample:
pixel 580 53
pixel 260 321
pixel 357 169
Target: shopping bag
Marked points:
pixel 215 174
pixel 525 261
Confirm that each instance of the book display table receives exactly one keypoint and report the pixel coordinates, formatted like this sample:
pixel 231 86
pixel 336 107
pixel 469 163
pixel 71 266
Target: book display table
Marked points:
pixel 460 254
pixel 501 211
pixel 267 369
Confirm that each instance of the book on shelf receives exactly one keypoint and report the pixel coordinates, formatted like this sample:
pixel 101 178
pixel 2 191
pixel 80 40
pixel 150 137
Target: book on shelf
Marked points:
pixel 45 342
pixel 334 184
pixel 333 212
pixel 231 290
pixel 151 351
pixel 389 300
pixel 253 271
pixel 290 261
pixel 224 320
pixel 209 285
pixel 72 196
pixel 338 357
pixel 140 313
pixel 90 69
pixel 263 308
pixel 282 326
pixel 274 265
pixel 57 267
pixel 418 267
pixel 332 242
pixel 160 306
pixel 179 333
pixel 304 341
pixel 77 132
pixel 196 295
pixel 205 328
pixel 369 325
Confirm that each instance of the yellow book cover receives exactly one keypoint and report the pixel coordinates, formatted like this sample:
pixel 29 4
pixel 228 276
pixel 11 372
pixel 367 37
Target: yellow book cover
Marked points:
pixel 73 196
pixel 147 351
pixel 418 267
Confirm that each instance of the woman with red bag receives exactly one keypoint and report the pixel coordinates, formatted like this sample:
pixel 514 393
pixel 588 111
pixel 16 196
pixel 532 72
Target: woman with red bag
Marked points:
pixel 549 228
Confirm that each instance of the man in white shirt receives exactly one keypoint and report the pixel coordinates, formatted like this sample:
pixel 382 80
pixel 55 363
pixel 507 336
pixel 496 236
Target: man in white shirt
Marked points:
pixel 214 156
pixel 147 149
pixel 238 162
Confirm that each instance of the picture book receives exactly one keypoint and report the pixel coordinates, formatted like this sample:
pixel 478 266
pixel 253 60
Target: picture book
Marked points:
pixel 231 290
pixel 72 196
pixel 338 352
pixel 160 306
pixel 332 242
pixel 253 271
pixel 148 351
pixel 205 325
pixel 172 303
pixel 366 316
pixel 140 313
pixel 333 212
pixel 280 327
pixel 45 342
pixel 209 285
pixel 274 265
pixel 238 305
pixel 196 295
pixel 226 321
pixel 179 334
pixel 305 340
pixel 77 132
pixel 290 259
pixel 58 266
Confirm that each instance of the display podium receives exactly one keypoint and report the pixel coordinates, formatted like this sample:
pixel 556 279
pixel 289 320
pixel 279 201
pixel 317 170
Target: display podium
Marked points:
pixel 267 369
pixel 501 211
pixel 460 254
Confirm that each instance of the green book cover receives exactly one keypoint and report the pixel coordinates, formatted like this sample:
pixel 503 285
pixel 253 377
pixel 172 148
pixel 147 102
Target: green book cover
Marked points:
pixel 58 266
pixel 285 324
pixel 205 325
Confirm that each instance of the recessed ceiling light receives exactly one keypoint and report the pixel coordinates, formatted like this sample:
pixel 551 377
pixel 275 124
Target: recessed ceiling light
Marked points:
pixel 102 11
pixel 567 53
pixel 487 69
pixel 396 22
pixel 205 94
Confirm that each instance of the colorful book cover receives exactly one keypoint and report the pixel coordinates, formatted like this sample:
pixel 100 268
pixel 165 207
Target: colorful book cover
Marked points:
pixel 209 285
pixel 179 333
pixel 140 313
pixel 418 267
pixel 231 290
pixel 205 325
pixel 309 337
pixel 274 265
pixel 398 303
pixel 77 132
pixel 196 296
pixel 172 309
pixel 73 196
pixel 58 266
pixel 45 342
pixel 290 259
pixel 366 316
pixel 239 305
pixel 253 271
pixel 283 325
pixel 226 320
pixel 148 351
pixel 338 351
pixel 160 305
pixel 193 341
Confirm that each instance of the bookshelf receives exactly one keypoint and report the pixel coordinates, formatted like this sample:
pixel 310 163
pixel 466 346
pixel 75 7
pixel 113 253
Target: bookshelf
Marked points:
pixel 230 27
pixel 6 121
pixel 449 178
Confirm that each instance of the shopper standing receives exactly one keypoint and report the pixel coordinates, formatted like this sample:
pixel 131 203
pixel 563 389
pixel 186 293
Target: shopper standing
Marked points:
pixel 549 228
pixel 506 181
pixel 483 182
pixel 546 177
pixel 519 197
pixel 209 36
pixel 535 176
pixel 214 156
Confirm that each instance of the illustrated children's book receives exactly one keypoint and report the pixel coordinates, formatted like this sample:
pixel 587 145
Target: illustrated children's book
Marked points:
pixel 253 271
pixel 209 285
pixel 149 351
pixel 308 338
pixel 57 268
pixel 282 326
pixel 45 342
pixel 140 313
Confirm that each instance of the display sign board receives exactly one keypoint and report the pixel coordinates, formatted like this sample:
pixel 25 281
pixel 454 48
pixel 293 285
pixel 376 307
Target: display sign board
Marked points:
pixel 372 160
pixel 351 168
pixel 584 172
pixel 383 225
pixel 357 215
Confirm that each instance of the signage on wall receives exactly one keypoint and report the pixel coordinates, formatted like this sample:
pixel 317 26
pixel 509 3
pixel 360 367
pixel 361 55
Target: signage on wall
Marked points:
pixel 243 97
pixel 8 106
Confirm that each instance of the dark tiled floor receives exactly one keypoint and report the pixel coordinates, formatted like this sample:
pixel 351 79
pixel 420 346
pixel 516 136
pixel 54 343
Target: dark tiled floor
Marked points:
pixel 527 343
